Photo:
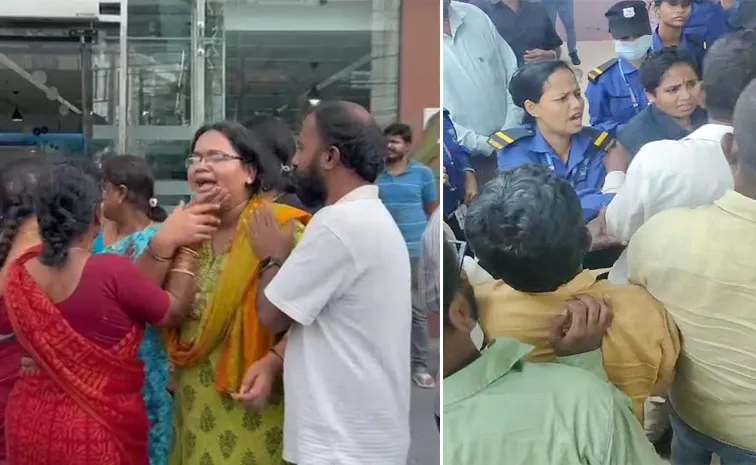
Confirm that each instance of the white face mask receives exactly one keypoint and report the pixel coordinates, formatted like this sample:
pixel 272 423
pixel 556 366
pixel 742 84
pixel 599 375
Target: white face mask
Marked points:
pixel 632 50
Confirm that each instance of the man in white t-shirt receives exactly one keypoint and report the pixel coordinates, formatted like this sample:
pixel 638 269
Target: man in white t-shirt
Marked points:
pixel 343 294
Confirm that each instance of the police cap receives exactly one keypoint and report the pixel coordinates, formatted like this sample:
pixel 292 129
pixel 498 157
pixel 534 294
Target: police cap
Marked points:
pixel 628 18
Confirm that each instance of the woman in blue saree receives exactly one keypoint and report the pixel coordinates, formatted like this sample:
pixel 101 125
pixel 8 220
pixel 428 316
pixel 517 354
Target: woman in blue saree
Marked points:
pixel 133 217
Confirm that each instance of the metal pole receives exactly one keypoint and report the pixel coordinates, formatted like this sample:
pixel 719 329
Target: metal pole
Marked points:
pixel 123 70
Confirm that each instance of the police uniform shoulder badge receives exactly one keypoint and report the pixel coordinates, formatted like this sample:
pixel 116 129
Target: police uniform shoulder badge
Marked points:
pixel 596 72
pixel 505 138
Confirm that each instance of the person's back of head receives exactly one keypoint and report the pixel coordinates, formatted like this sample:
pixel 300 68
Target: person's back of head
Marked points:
pixel 729 66
pixel 352 132
pixel 274 135
pixel 20 178
pixel 67 209
pixel 526 228
pixel 742 154
pixel 133 176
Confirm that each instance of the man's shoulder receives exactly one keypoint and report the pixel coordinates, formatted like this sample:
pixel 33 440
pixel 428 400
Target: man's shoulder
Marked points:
pixel 627 297
pixel 419 168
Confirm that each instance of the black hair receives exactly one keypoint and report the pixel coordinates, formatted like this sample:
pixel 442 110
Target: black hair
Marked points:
pixel 454 284
pixel 279 141
pixel 656 64
pixel 359 139
pixel 66 207
pixel 246 145
pixel 20 178
pixel 399 129
pixel 526 228
pixel 528 83
pixel 745 136
pixel 135 175
pixel 729 66
pixel 672 2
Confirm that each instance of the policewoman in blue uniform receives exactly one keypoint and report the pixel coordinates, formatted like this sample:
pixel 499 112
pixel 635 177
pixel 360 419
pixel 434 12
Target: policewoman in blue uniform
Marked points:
pixel 460 185
pixel 615 92
pixel 673 15
pixel 553 134
pixel 709 19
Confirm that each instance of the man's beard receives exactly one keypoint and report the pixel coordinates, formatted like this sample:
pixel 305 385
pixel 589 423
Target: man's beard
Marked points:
pixel 310 186
pixel 393 157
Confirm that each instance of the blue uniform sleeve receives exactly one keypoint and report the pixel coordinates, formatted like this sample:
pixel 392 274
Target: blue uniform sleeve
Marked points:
pixel 592 201
pixel 513 157
pixel 598 108
pixel 460 153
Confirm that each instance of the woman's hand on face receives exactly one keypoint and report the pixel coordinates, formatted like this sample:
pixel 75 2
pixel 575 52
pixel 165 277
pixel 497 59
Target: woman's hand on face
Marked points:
pixel 189 225
pixel 214 195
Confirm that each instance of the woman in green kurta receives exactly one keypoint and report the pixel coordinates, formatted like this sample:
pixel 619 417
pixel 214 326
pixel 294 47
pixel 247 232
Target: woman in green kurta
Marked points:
pixel 222 337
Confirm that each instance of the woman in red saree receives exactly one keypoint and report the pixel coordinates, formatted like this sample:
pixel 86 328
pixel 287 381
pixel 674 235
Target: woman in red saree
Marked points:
pixel 18 232
pixel 80 320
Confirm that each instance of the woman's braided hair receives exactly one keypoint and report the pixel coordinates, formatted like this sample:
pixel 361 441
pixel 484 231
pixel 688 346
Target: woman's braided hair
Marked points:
pixel 19 179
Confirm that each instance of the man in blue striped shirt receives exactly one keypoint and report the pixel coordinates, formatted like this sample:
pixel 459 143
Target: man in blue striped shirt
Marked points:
pixel 409 192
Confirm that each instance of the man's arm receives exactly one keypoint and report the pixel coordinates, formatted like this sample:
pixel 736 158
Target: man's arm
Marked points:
pixel 430 265
pixel 317 270
pixel 592 201
pixel 636 201
pixel 477 143
pixel 429 192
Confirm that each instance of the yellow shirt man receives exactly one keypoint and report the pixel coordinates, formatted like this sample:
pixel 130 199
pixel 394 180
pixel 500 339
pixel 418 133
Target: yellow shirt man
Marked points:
pixel 641 346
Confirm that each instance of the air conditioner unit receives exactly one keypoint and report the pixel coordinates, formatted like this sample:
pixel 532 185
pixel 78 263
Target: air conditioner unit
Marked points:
pixel 50 10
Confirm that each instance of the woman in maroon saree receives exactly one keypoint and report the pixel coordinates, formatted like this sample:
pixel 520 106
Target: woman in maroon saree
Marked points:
pixel 80 321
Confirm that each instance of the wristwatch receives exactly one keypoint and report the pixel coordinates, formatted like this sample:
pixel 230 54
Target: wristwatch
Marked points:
pixel 269 262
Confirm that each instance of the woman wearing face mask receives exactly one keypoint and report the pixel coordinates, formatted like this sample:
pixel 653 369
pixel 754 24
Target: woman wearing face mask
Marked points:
pixel 220 416
pixel 670 80
pixel 615 93
pixel 553 134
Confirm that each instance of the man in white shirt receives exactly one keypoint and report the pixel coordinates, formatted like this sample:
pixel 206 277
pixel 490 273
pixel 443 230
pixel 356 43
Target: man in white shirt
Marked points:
pixel 478 65
pixel 343 293
pixel 689 172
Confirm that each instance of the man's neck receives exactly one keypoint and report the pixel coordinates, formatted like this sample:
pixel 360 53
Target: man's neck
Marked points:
pixel 512 4
pixel 745 182
pixel 344 185
pixel 397 166
pixel 457 358
pixel 670 35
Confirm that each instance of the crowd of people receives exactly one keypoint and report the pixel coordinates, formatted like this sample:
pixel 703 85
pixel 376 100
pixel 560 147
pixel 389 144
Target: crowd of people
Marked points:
pixel 274 318
pixel 606 265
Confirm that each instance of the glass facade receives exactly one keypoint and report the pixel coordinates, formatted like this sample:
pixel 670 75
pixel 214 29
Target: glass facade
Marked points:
pixel 191 62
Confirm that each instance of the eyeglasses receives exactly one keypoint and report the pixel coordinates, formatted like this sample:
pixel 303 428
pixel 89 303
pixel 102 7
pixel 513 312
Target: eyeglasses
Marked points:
pixel 211 158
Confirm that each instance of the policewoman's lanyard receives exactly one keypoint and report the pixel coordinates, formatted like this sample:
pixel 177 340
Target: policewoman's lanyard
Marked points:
pixel 581 168
pixel 448 154
pixel 633 97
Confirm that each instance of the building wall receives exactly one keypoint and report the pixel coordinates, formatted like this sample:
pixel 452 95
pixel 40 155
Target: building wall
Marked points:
pixel 420 61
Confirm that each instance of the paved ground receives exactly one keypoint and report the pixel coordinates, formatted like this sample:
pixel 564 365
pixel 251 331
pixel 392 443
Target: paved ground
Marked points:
pixel 425 438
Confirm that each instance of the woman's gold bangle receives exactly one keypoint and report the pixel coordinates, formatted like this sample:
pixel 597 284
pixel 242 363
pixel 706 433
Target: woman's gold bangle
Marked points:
pixel 156 256
pixel 182 271
pixel 189 251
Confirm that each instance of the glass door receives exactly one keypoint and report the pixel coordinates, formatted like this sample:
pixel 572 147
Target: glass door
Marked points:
pixel 46 94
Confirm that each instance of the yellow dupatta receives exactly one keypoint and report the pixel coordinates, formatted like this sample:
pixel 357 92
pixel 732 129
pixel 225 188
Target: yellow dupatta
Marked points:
pixel 230 315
